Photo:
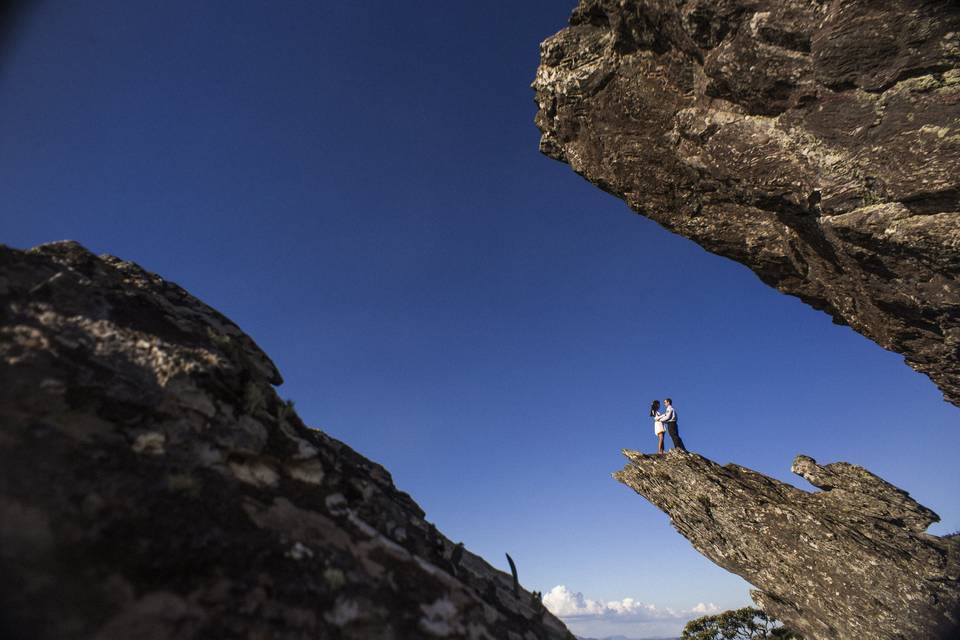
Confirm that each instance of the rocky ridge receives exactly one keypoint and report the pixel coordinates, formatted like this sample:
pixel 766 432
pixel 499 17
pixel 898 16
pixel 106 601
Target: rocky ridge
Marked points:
pixel 816 142
pixel 154 485
pixel 849 561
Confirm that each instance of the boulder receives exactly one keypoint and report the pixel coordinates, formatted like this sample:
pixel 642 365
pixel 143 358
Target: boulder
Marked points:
pixel 852 560
pixel 816 142
pixel 153 485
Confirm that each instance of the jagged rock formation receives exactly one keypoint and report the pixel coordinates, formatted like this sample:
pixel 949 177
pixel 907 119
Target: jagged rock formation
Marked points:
pixel 850 561
pixel 816 142
pixel 153 485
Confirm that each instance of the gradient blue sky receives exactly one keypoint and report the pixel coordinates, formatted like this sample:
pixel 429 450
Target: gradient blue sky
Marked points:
pixel 358 186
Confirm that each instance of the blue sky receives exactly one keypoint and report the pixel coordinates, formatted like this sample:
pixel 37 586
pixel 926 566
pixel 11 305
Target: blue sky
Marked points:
pixel 358 186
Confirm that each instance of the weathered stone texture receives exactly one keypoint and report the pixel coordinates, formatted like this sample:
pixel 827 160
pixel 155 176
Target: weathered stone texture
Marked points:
pixel 153 485
pixel 850 561
pixel 816 142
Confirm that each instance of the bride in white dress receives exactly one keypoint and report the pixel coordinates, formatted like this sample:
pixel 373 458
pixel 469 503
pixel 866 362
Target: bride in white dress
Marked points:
pixel 658 427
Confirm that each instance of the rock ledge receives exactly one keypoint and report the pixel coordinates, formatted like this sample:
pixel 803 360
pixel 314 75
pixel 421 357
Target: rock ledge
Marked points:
pixel 849 561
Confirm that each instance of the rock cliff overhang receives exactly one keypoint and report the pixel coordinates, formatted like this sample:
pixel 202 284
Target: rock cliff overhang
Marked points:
pixel 818 143
pixel 852 560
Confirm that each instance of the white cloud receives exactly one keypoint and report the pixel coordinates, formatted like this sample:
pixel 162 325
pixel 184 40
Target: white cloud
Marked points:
pixel 705 609
pixel 629 616
pixel 564 603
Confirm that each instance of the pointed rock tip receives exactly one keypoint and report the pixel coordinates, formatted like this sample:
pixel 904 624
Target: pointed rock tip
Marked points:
pixel 805 467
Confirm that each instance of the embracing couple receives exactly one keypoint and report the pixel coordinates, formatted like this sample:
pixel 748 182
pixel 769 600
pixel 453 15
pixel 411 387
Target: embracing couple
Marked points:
pixel 666 421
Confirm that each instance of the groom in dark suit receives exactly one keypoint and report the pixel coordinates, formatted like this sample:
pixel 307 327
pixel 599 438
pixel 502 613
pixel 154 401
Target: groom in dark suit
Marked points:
pixel 670 419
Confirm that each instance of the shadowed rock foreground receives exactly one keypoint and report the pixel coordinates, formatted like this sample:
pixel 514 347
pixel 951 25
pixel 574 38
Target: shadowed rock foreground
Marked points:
pixel 816 142
pixel 154 486
pixel 851 561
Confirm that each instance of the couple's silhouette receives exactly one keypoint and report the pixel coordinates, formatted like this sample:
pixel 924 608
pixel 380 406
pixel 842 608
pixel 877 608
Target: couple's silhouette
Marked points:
pixel 666 421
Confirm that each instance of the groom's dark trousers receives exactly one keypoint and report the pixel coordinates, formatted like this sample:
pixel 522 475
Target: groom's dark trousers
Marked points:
pixel 675 436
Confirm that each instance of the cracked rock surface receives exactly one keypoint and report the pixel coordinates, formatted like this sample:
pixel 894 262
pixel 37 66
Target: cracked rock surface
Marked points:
pixel 816 142
pixel 153 485
pixel 849 561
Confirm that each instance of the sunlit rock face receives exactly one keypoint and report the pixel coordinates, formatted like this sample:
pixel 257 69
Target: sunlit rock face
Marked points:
pixel 154 485
pixel 850 561
pixel 816 142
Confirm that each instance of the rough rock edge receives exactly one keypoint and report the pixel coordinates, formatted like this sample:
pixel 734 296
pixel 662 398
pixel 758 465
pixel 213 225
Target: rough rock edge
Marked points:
pixel 850 561
pixel 153 484
pixel 815 142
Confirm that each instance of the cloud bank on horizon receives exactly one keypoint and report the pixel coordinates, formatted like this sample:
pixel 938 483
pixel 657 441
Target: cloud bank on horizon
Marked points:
pixel 574 607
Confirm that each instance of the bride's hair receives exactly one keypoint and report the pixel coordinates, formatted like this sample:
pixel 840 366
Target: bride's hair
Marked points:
pixel 654 406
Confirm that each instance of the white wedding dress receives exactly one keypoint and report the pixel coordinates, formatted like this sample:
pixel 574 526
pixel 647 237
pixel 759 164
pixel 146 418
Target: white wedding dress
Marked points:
pixel 658 427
